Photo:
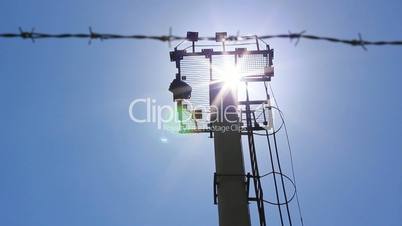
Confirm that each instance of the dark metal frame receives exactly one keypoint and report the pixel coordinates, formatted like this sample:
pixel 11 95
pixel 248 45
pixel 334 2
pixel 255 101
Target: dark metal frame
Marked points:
pixel 178 55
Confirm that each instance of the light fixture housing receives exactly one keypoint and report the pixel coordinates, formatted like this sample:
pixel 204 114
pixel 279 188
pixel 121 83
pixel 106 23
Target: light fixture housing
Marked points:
pixel 221 36
pixel 192 36
pixel 180 89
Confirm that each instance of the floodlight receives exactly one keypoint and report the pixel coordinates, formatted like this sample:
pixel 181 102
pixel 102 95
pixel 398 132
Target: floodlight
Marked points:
pixel 221 36
pixel 192 36
pixel 180 89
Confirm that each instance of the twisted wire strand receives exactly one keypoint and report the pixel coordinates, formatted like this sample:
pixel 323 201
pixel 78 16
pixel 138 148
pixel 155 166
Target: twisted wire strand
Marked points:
pixel 297 36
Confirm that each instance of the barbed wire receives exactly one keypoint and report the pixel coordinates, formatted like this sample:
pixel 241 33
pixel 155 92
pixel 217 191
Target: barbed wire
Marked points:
pixel 297 36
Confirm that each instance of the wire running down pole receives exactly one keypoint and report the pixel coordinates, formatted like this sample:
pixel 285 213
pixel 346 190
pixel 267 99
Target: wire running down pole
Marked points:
pixel 274 176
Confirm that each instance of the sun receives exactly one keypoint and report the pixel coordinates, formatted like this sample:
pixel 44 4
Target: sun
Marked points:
pixel 230 76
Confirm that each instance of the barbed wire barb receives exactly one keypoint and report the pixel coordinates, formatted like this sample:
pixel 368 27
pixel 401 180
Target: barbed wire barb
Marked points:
pixel 170 37
pixel 362 42
pixel 298 38
pixel 27 34
pixel 238 36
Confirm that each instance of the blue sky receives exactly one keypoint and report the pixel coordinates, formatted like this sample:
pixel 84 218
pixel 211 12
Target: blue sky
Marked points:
pixel 69 154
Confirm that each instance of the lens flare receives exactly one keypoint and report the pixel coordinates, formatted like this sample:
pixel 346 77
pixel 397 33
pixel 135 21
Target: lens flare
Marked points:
pixel 230 76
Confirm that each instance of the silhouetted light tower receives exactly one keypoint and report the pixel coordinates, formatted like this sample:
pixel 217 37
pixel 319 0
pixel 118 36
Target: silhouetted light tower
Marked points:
pixel 212 92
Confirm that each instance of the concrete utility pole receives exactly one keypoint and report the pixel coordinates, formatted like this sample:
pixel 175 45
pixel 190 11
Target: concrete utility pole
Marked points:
pixel 230 174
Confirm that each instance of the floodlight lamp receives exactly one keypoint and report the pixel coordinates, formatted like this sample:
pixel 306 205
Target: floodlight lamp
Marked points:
pixel 221 36
pixel 180 89
pixel 192 36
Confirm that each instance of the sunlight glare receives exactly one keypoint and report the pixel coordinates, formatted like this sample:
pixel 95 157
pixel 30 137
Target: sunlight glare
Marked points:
pixel 230 76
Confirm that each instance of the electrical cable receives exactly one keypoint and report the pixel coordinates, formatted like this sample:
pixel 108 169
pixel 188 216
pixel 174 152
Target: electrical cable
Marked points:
pixel 279 164
pixel 282 181
pixel 290 153
pixel 273 175
pixel 291 197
